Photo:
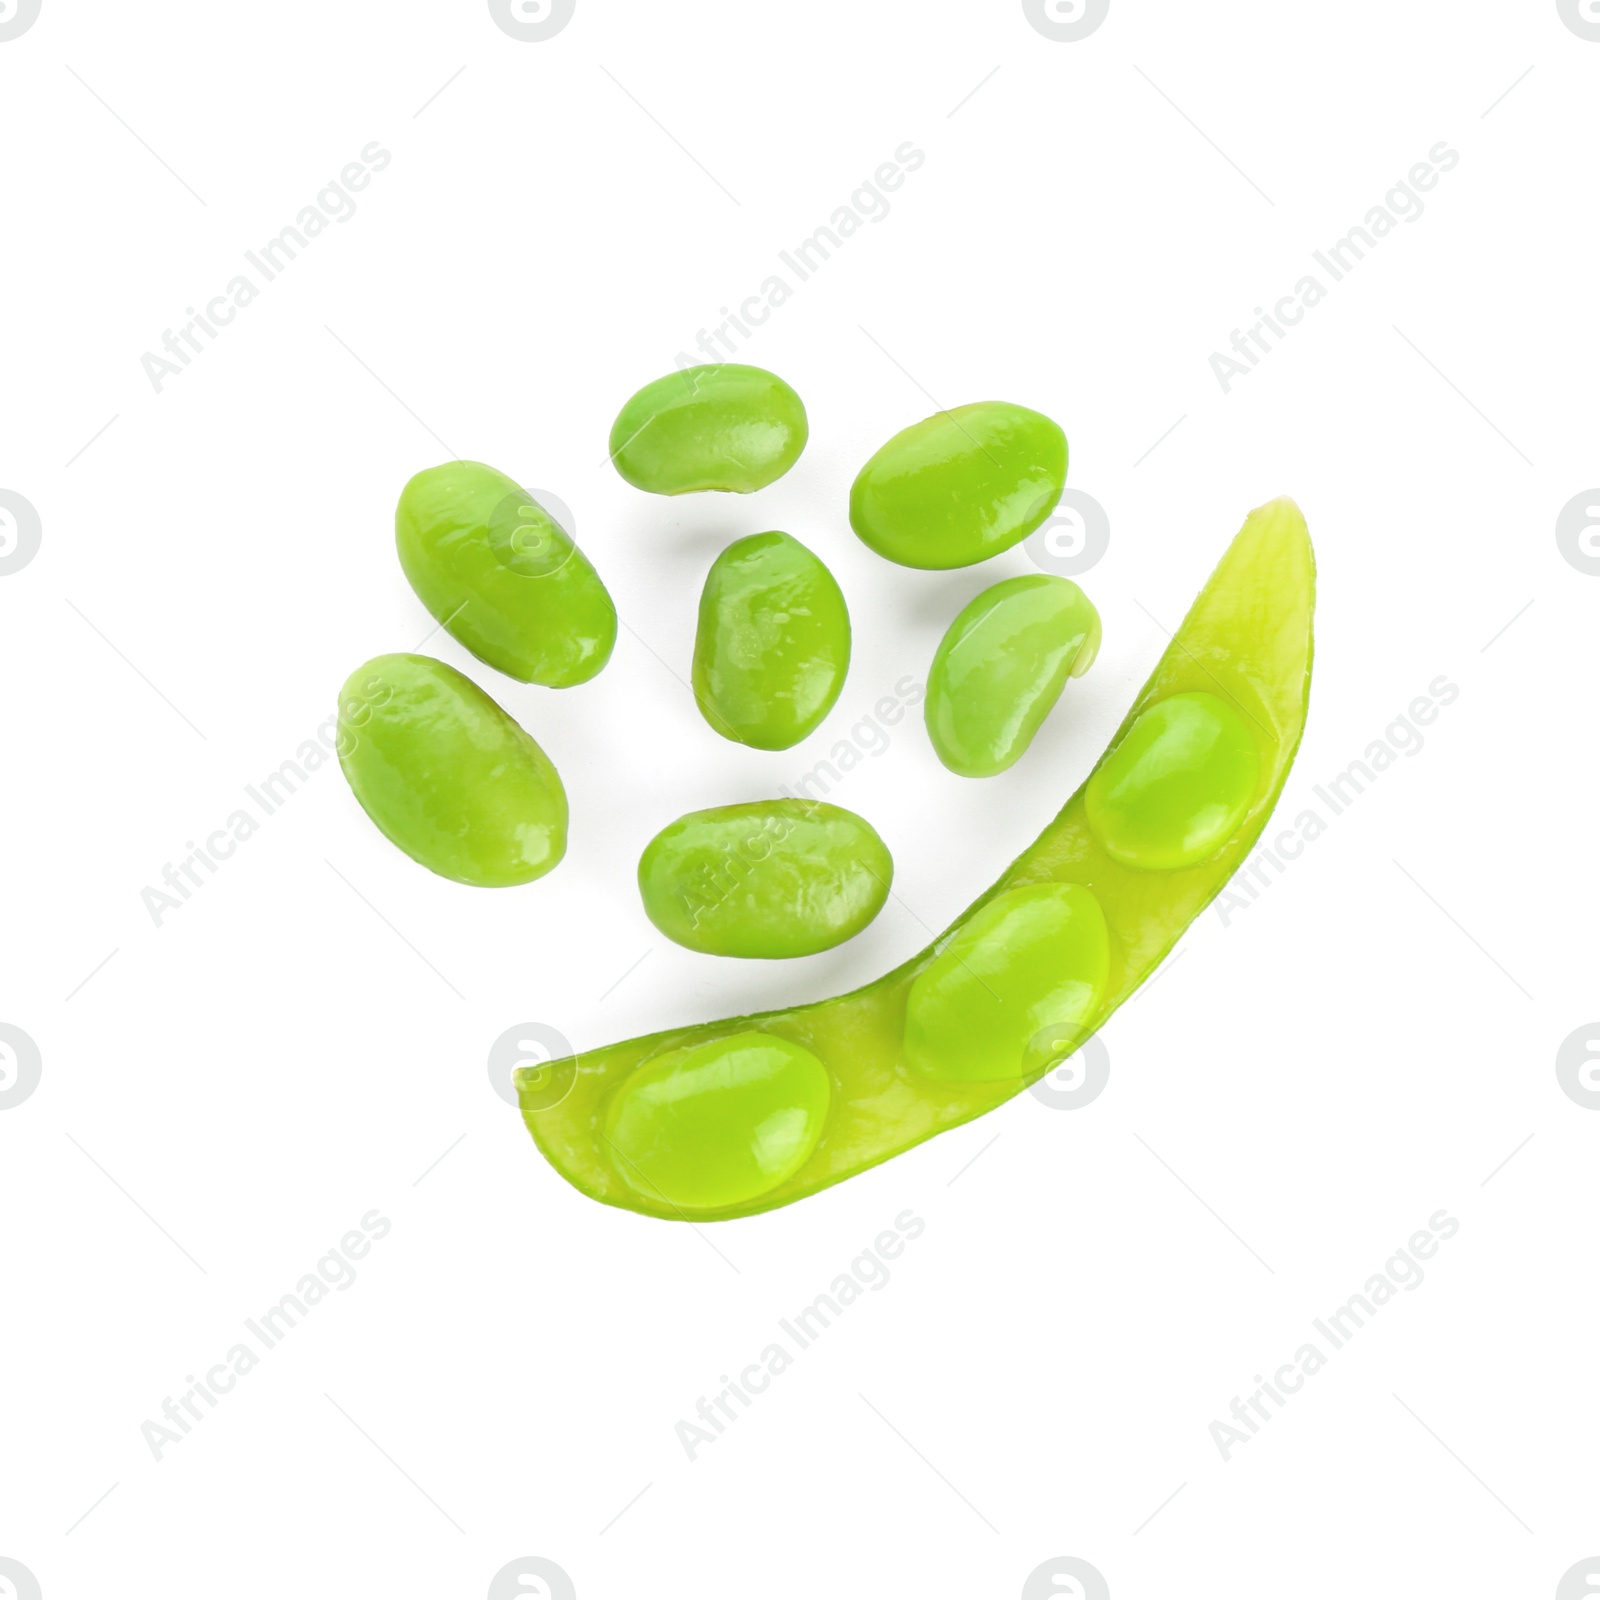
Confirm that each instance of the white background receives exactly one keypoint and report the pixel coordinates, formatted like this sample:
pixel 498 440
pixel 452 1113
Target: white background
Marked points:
pixel 225 1095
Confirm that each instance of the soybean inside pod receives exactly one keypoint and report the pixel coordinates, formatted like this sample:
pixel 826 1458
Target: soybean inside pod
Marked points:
pixel 729 1118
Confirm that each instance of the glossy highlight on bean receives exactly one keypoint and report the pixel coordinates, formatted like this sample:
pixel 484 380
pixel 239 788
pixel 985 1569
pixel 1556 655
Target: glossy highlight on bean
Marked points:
pixel 1001 667
pixel 449 776
pixel 770 879
pixel 725 426
pixel 960 486
pixel 1176 784
pixel 502 576
pixel 1037 963
pixel 717 1124
pixel 1030 965
pixel 773 643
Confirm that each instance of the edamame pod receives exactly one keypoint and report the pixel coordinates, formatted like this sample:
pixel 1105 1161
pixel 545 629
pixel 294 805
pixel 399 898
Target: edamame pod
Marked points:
pixel 1000 668
pixel 960 486
pixel 773 644
pixel 502 576
pixel 772 879
pixel 449 776
pixel 906 1062
pixel 716 427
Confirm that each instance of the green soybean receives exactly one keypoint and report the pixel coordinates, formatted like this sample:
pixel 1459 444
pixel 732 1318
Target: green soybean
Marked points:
pixel 773 644
pixel 933 1044
pixel 960 486
pixel 1175 785
pixel 725 427
pixel 503 576
pixel 1013 982
pixel 1000 668
pixel 770 879
pixel 718 1124
pixel 447 775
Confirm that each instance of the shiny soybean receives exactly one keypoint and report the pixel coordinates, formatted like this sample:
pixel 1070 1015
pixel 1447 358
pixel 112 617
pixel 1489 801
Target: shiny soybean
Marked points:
pixel 718 1124
pixel 773 643
pixel 502 576
pixel 447 775
pixel 1001 667
pixel 1012 988
pixel 727 426
pixel 770 879
pixel 1176 785
pixel 960 486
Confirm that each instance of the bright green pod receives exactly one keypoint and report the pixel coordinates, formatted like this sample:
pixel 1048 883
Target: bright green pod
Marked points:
pixel 719 1124
pixel 1176 785
pixel 1002 665
pixel 717 427
pixel 908 1054
pixel 502 576
pixel 773 644
pixel 447 775
pixel 1010 987
pixel 960 486
pixel 770 879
